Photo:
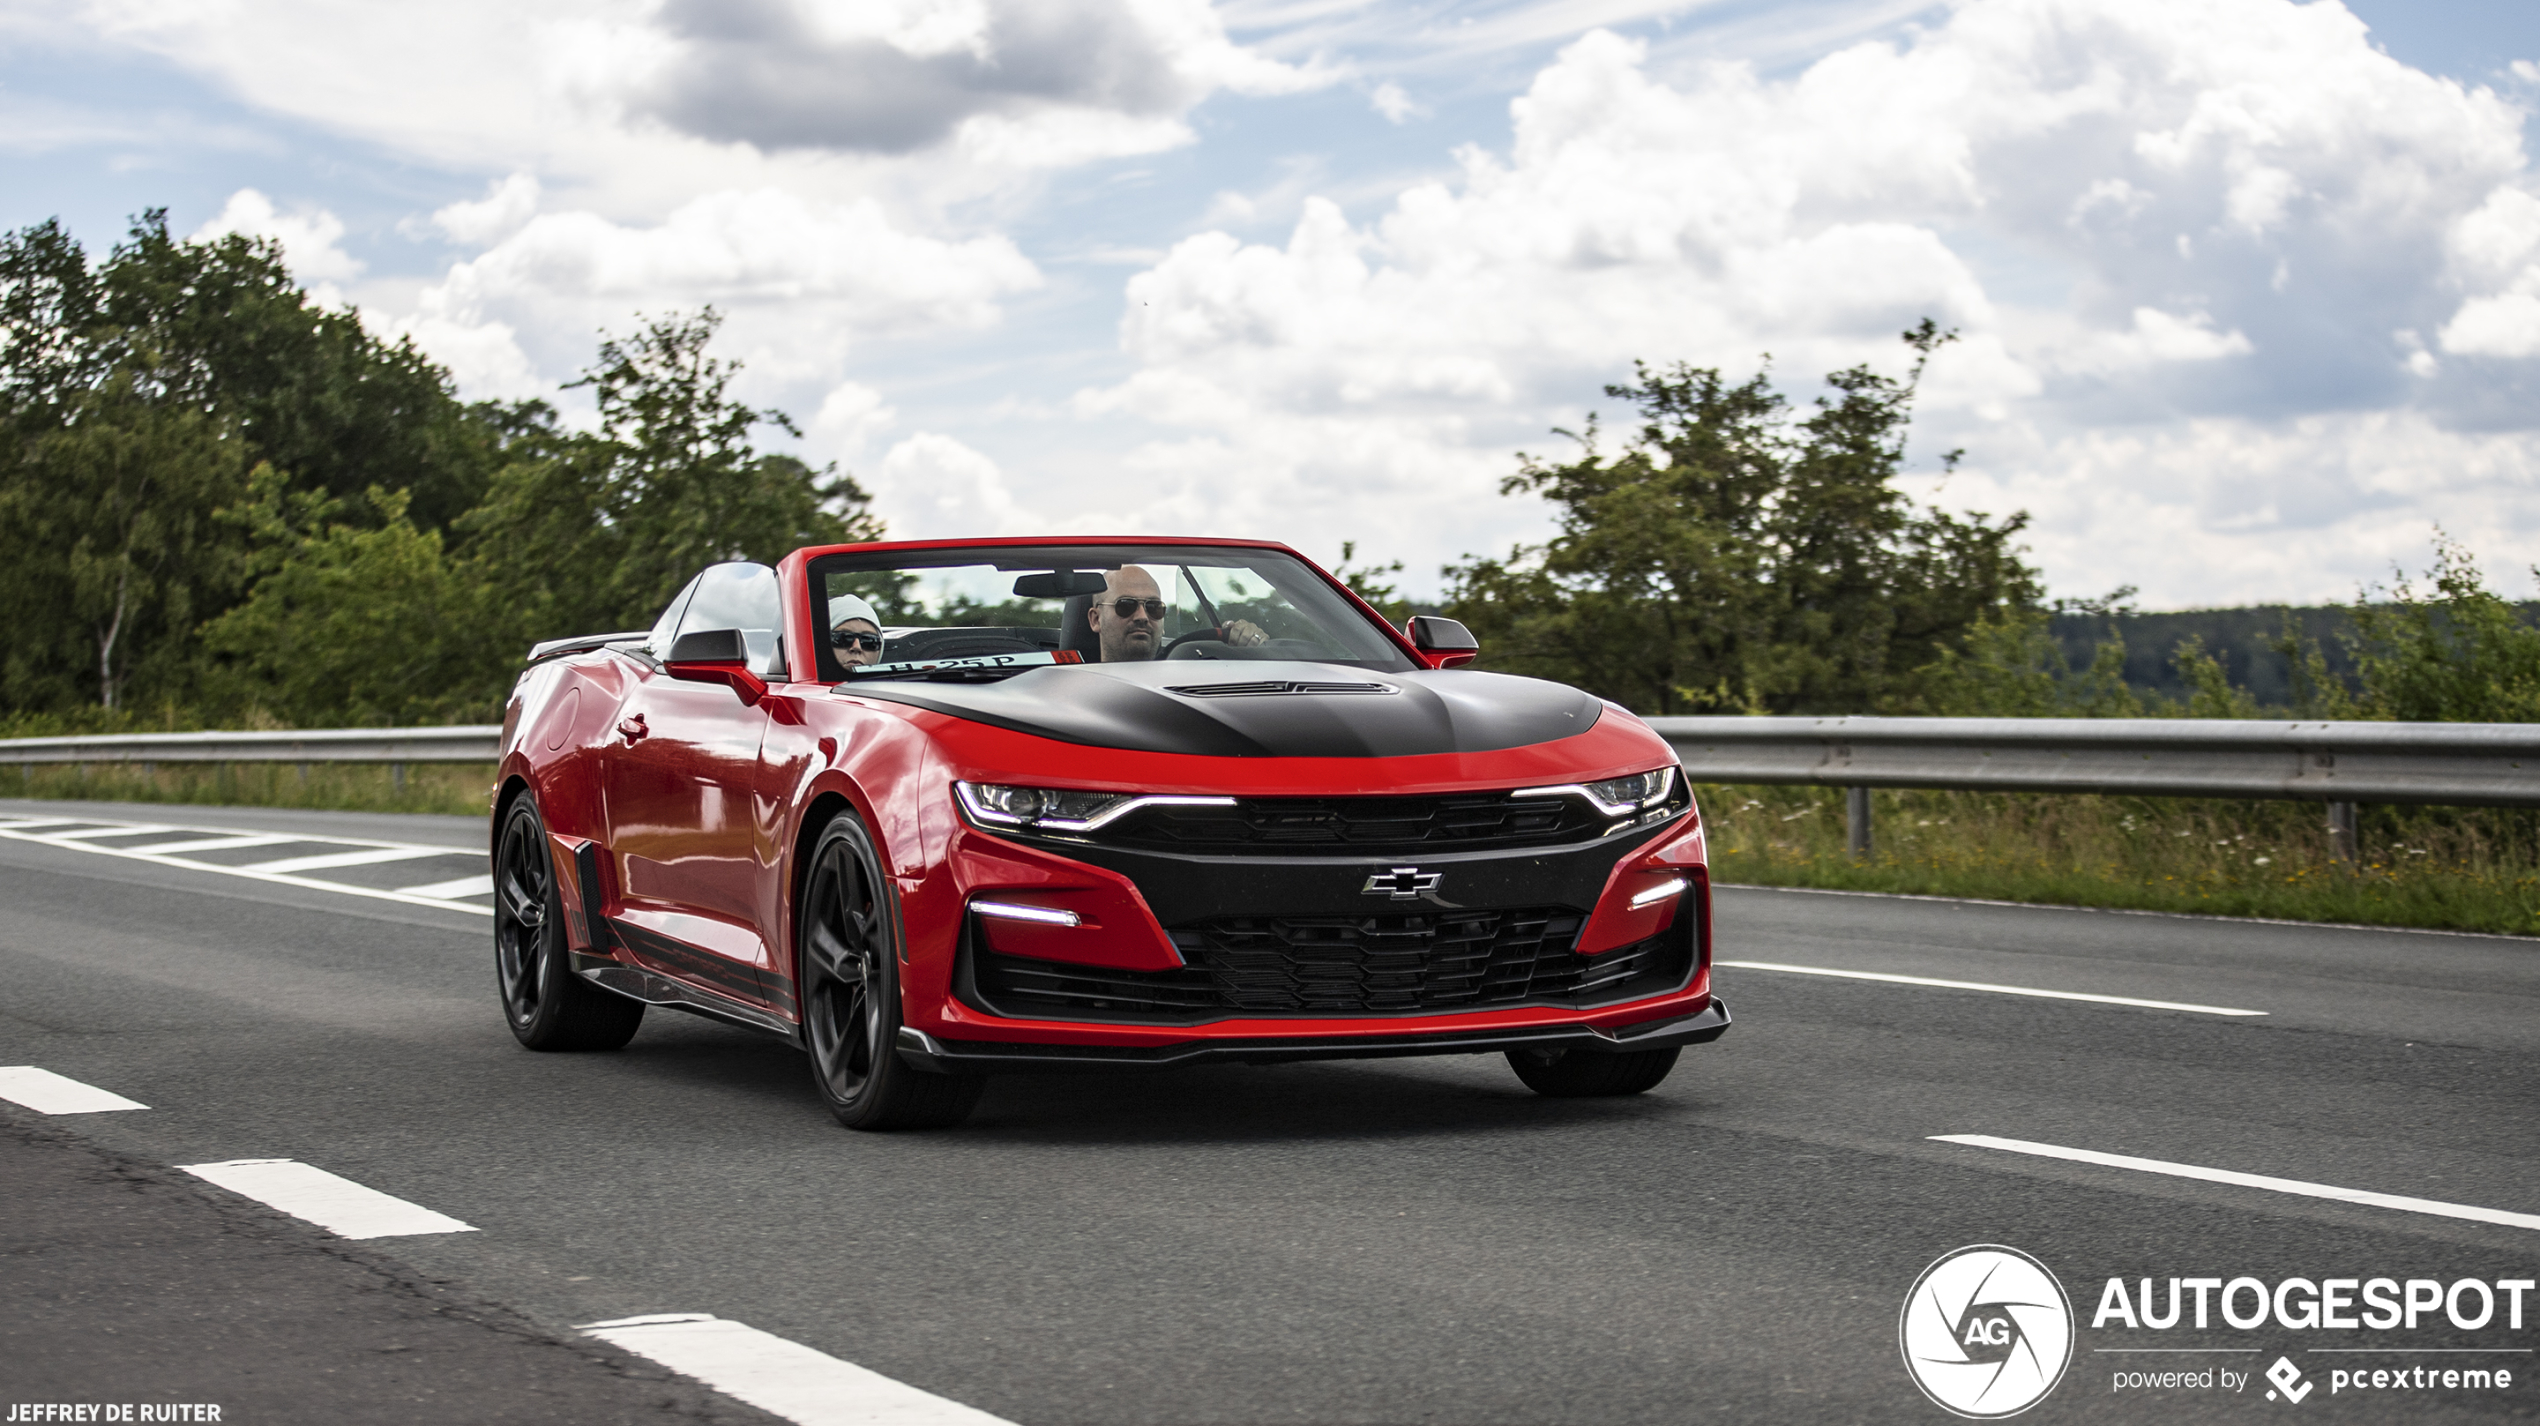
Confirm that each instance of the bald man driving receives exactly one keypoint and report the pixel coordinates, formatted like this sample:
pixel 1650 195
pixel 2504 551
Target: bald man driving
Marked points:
pixel 1128 615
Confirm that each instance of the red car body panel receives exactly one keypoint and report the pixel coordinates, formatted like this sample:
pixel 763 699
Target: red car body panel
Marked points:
pixel 678 812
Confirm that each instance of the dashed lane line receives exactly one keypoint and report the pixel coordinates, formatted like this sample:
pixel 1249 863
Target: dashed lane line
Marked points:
pixel 239 843
pixel 1992 989
pixel 479 885
pixel 339 1205
pixel 2399 1202
pixel 807 1387
pixel 30 830
pixel 329 861
pixel 48 1093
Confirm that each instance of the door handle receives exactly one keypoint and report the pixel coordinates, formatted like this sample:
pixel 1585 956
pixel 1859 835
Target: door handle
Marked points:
pixel 633 729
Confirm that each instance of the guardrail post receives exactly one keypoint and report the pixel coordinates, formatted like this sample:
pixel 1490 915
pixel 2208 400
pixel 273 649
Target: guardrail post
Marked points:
pixel 1856 821
pixel 2341 833
pixel 397 775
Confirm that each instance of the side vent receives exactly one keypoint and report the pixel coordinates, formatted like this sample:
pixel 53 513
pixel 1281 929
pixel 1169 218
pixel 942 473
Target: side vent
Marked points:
pixel 586 872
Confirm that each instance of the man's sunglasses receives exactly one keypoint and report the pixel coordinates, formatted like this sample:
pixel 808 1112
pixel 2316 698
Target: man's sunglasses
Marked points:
pixel 1127 607
pixel 870 643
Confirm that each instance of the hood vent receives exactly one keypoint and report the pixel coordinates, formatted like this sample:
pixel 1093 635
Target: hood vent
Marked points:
pixel 1268 687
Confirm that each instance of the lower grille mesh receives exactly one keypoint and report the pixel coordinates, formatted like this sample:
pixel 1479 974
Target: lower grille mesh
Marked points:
pixel 1344 965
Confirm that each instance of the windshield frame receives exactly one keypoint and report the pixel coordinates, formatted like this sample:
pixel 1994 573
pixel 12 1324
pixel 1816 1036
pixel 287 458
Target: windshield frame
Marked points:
pixel 1024 554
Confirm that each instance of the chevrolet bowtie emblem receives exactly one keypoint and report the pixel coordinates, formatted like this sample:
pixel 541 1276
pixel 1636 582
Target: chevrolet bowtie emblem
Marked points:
pixel 1403 883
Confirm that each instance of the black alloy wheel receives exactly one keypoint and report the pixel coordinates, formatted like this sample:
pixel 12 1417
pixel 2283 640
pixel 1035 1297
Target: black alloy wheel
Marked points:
pixel 1577 1073
pixel 847 932
pixel 548 1006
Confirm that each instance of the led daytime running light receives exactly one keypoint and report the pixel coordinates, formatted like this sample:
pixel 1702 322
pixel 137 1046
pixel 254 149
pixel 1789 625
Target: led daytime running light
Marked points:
pixel 1016 911
pixel 1672 886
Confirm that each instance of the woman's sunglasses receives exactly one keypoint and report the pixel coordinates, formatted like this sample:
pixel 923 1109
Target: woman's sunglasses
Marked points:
pixel 870 643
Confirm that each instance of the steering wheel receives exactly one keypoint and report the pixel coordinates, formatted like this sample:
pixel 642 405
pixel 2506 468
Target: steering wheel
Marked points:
pixel 1175 643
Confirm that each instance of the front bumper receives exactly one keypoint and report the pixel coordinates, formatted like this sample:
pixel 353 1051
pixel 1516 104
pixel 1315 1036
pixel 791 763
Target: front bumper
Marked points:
pixel 948 1056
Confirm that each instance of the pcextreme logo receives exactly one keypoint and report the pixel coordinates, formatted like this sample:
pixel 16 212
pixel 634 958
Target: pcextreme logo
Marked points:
pixel 1986 1331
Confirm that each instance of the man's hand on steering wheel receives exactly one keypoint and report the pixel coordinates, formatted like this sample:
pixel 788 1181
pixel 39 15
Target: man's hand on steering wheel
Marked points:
pixel 1241 633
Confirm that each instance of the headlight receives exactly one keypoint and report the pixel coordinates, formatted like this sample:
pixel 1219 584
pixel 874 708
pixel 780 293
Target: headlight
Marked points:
pixel 1618 795
pixel 1054 809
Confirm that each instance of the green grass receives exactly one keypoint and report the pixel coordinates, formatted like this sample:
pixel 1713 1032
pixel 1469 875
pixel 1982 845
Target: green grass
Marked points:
pixel 2461 869
pixel 461 789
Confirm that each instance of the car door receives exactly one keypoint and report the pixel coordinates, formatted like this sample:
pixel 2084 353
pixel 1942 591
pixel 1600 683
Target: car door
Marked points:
pixel 681 779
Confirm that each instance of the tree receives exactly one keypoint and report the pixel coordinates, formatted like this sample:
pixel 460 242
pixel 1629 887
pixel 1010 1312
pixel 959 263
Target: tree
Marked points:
pixel 1733 557
pixel 2457 653
pixel 115 548
pixel 357 617
pixel 593 533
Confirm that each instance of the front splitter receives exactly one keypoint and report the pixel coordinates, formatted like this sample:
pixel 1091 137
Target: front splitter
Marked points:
pixel 942 1056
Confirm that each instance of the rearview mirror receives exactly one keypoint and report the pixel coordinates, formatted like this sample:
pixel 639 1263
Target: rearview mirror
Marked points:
pixel 1443 643
pixel 1060 584
pixel 716 656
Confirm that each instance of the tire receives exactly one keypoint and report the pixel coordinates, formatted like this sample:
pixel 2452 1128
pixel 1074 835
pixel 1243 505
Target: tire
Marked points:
pixel 847 961
pixel 1592 1074
pixel 549 1007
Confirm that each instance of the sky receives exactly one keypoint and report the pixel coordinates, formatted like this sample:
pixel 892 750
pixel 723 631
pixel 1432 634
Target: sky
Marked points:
pixel 2248 291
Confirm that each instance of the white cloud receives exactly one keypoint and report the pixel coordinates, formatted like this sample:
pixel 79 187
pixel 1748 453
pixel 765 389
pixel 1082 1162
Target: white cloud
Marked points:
pixel 309 236
pixel 2196 215
pixel 931 486
pixel 1397 106
pixel 508 203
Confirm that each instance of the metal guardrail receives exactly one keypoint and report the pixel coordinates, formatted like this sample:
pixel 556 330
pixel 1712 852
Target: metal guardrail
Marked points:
pixel 2341 764
pixel 479 743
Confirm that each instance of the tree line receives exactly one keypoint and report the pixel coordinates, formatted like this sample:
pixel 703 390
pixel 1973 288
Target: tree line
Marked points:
pixel 222 502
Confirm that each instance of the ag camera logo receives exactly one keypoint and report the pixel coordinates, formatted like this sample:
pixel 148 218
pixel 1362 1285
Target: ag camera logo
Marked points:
pixel 1986 1332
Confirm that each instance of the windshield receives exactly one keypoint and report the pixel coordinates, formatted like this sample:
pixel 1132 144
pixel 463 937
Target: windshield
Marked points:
pixel 882 611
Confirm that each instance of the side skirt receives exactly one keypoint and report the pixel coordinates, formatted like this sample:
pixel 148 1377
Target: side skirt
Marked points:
pixel 636 983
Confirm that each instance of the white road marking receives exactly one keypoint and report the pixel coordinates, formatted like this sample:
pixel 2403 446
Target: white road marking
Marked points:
pixel 224 844
pixel 2400 1202
pixel 339 1205
pixel 1995 989
pixel 368 856
pixel 786 1378
pixel 48 1093
pixel 22 823
pixel 125 829
pixel 14 831
pixel 482 885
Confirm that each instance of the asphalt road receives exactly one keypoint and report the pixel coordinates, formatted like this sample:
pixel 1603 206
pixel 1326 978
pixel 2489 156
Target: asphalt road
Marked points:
pixel 1384 1242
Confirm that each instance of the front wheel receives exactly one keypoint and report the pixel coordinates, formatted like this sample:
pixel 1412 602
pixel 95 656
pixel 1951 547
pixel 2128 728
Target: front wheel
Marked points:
pixel 847 934
pixel 1591 1074
pixel 548 1006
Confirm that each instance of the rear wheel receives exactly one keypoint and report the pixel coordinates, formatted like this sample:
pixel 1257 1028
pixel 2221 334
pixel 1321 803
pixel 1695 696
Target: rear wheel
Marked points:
pixel 1575 1073
pixel 549 1007
pixel 847 932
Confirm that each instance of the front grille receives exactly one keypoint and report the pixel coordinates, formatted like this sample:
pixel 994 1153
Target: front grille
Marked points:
pixel 1305 826
pixel 1345 965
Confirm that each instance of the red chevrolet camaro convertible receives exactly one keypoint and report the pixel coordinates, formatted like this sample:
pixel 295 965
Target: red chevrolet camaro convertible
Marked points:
pixel 939 810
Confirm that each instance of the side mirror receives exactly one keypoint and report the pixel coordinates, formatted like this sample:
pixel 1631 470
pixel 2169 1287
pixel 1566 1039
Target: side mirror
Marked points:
pixel 716 656
pixel 1443 643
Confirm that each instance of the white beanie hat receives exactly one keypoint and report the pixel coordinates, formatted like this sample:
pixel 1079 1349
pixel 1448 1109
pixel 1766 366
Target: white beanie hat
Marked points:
pixel 843 607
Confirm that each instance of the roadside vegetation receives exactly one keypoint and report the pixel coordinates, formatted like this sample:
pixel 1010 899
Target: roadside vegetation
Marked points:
pixel 224 505
pixel 2458 869
pixel 454 789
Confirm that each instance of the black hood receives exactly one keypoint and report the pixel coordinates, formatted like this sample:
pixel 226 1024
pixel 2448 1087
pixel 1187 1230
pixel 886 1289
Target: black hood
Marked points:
pixel 1266 709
